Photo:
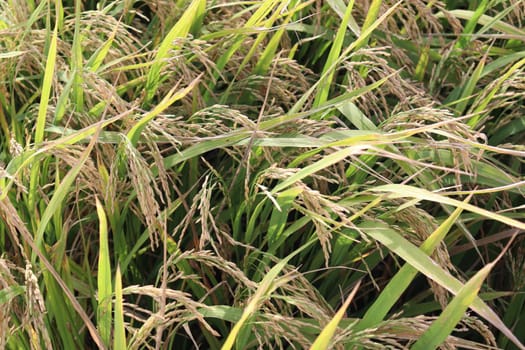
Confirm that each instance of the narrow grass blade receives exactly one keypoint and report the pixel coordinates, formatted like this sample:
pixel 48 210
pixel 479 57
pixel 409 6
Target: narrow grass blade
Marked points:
pixel 238 136
pixel 167 101
pixel 59 13
pixel 266 287
pixel 11 292
pixel 63 100
pixel 362 38
pixel 223 312
pixel 119 336
pixel 514 317
pixel 96 60
pixel 440 329
pixel 77 61
pixel 98 57
pixel 299 141
pixel 7 206
pixel 424 264
pixel 484 103
pixel 422 64
pixel 371 17
pixel 42 112
pixel 64 317
pixel 29 156
pixel 319 165
pixel 278 220
pixel 191 16
pixel 500 26
pixel 46 87
pixel 143 238
pixel 501 62
pixel 515 127
pixel 254 21
pixel 265 60
pixel 4 127
pixel 205 146
pixel 105 290
pixel 469 87
pixel 61 192
pixel 356 116
pixel 322 342
pixel 333 57
pixel 11 54
pixel 471 24
pixel 404 191
pixel 402 279
pixel 339 7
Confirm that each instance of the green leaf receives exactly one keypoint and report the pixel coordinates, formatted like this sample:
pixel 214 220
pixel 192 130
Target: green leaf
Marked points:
pixel 61 193
pixel 404 191
pixel 181 29
pixel 167 101
pixel 77 58
pixel 46 87
pixel 355 116
pixel 321 164
pixel 104 288
pixel 8 293
pixel 322 342
pixel 500 26
pixel 119 337
pixel 424 264
pixel 11 54
pixel 402 279
pixel 266 287
pixel 334 57
pixel 440 329
pixel 471 24
pixel 278 220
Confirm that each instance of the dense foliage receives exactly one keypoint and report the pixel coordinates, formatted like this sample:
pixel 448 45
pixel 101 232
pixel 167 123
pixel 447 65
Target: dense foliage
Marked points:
pixel 262 174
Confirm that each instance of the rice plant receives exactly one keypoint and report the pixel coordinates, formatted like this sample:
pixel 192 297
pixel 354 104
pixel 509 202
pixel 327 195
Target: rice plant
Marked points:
pixel 277 174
